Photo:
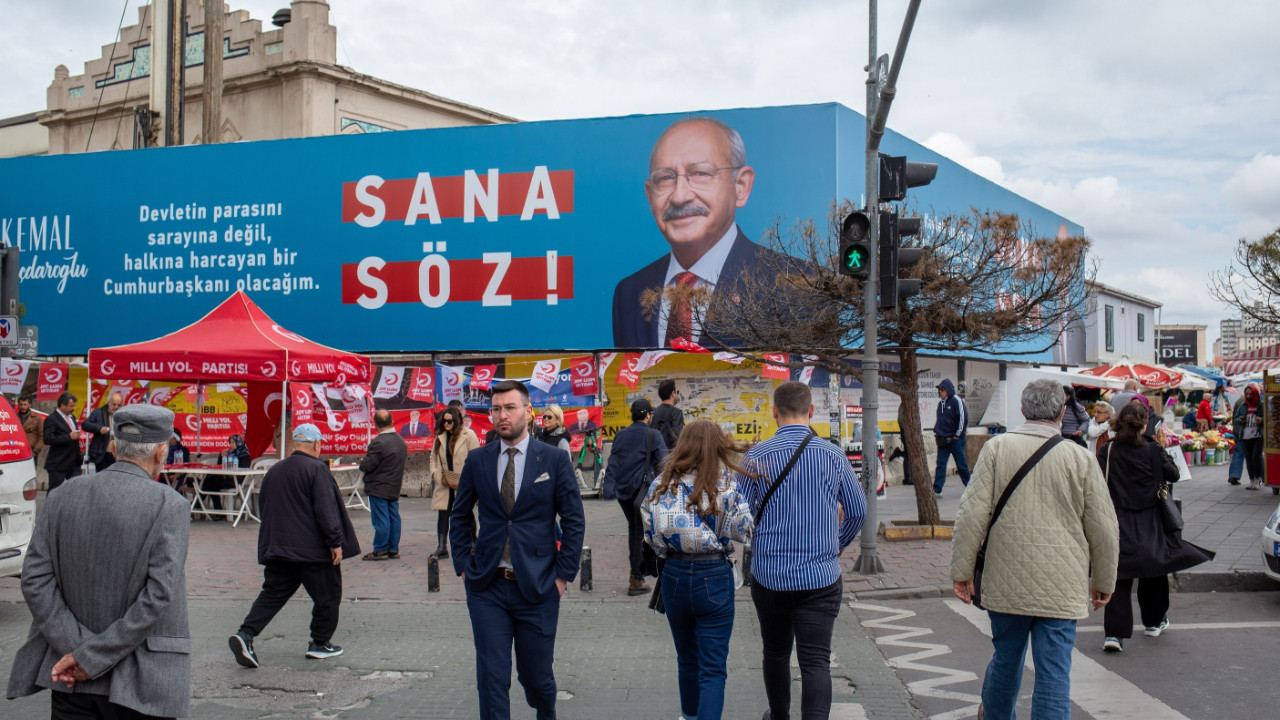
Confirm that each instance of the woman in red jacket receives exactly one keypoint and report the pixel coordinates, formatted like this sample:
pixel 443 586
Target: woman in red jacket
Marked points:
pixel 1204 415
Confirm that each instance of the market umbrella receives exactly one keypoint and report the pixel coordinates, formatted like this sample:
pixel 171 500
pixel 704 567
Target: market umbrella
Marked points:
pixel 1204 372
pixel 1148 375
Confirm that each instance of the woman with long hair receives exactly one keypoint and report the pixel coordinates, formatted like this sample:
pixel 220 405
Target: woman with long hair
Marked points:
pixel 692 514
pixel 1136 468
pixel 448 453
pixel 1248 419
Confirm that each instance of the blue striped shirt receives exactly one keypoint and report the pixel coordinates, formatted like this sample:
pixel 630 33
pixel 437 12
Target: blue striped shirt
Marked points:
pixel 796 544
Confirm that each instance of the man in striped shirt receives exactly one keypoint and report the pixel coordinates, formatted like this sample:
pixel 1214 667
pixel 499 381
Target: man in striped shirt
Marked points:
pixel 796 549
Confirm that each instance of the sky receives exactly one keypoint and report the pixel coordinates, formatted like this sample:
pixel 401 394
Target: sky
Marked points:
pixel 1153 125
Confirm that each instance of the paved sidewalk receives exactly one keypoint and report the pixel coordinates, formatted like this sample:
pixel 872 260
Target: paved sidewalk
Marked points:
pixel 1226 519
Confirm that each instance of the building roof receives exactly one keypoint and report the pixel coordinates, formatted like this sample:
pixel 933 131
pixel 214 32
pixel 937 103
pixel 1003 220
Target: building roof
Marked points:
pixel 18 120
pixel 1094 285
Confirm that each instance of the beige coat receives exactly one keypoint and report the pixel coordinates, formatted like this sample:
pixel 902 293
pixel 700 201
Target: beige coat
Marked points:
pixel 1057 523
pixel 443 478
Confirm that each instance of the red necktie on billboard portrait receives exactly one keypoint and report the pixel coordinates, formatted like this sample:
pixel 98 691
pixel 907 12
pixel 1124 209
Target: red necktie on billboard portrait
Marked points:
pixel 680 318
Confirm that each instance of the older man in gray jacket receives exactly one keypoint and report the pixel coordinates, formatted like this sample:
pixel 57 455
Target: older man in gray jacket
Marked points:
pixel 1055 525
pixel 105 584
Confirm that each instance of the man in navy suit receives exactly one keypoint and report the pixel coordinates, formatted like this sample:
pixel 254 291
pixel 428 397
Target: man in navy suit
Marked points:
pixel 413 428
pixel 698 177
pixel 513 572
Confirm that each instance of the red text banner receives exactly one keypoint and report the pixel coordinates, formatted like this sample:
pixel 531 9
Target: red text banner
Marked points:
pixel 372 282
pixel 372 200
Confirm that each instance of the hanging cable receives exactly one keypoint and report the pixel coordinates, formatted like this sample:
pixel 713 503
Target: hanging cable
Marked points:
pixel 142 24
pixel 110 68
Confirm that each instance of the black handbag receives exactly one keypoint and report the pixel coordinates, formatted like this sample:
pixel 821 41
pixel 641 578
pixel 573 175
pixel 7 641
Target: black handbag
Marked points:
pixel 980 563
pixel 648 557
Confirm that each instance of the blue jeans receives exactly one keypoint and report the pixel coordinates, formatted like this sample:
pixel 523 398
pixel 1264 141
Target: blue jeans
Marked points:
pixel 386 524
pixel 953 448
pixel 698 593
pixel 1052 641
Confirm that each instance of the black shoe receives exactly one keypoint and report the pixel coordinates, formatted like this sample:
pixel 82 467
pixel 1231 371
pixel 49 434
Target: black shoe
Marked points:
pixel 1233 481
pixel 393 555
pixel 376 555
pixel 242 647
pixel 317 651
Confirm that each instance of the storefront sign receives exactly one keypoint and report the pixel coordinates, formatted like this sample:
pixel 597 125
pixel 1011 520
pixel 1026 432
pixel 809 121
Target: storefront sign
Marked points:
pixel 1178 347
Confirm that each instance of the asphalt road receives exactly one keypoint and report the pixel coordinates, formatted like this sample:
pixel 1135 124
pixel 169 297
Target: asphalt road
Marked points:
pixel 1216 660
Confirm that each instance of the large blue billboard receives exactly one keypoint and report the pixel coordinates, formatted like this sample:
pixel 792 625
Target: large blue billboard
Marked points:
pixel 528 236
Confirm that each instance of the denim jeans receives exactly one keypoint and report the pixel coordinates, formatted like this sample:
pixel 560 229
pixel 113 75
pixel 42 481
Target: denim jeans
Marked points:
pixel 698 592
pixel 805 619
pixel 953 448
pixel 386 524
pixel 1052 641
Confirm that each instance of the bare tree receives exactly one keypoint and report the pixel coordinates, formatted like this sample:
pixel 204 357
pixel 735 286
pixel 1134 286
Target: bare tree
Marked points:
pixel 989 285
pixel 1251 283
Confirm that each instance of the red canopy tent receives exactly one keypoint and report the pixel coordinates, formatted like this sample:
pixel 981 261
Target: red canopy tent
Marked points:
pixel 1252 361
pixel 1155 377
pixel 235 342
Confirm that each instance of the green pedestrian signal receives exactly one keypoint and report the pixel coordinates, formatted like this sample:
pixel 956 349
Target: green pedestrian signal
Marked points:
pixel 855 245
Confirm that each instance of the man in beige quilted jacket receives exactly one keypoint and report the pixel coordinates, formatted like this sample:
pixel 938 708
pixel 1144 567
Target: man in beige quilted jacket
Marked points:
pixel 1036 584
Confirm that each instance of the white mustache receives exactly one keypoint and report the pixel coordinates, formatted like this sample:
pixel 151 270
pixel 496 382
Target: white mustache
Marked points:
pixel 689 209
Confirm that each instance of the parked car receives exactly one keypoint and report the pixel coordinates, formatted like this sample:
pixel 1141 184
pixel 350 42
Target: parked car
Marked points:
pixel 1271 545
pixel 17 492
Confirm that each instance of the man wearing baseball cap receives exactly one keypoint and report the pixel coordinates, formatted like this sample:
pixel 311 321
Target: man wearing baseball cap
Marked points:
pixel 304 538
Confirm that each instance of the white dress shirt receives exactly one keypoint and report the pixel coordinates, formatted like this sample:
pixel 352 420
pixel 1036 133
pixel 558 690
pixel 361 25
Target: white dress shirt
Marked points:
pixel 707 268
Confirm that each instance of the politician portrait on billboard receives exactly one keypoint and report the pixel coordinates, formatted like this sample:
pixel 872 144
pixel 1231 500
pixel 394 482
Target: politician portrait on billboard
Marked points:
pixel 698 178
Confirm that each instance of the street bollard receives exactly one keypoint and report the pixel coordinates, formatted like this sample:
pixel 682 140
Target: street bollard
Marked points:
pixel 584 573
pixel 746 566
pixel 433 574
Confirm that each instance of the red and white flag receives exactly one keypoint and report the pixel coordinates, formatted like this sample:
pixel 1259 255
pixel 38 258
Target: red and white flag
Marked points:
pixel 389 382
pixel 769 370
pixel 422 385
pixel 53 380
pixel 629 373
pixel 13 375
pixel 452 380
pixel 545 373
pixel 583 375
pixel 482 378
pixel 303 401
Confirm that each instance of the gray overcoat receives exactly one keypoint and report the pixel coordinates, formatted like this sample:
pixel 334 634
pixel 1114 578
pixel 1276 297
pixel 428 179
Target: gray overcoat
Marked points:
pixel 104 579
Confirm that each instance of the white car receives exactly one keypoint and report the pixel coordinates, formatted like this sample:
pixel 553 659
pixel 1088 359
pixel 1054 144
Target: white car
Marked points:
pixel 1271 545
pixel 17 492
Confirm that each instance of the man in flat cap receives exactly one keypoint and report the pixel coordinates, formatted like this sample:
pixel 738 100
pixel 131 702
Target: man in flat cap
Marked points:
pixel 304 538
pixel 104 581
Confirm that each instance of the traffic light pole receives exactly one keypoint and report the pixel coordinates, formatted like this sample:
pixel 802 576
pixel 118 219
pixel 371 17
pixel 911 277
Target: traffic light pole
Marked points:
pixel 881 83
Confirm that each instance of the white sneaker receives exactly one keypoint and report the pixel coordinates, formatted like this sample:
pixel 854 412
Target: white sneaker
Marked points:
pixel 1112 644
pixel 1155 631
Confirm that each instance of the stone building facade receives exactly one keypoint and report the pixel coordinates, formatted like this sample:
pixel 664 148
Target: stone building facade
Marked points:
pixel 279 83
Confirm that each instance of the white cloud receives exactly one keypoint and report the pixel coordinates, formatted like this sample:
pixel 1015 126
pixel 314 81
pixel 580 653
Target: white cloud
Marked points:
pixel 1255 188
pixel 953 147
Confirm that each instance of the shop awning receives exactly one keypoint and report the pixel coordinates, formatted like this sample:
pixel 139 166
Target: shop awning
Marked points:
pixel 1253 361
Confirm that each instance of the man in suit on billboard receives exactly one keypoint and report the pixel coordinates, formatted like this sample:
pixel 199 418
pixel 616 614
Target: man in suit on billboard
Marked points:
pixel 513 571
pixel 698 177
pixel 414 428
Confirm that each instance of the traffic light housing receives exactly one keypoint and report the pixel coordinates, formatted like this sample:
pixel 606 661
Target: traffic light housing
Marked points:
pixel 897 175
pixel 855 245
pixel 894 257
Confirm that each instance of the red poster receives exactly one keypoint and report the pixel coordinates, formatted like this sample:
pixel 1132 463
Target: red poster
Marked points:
pixel 583 375
pixel 423 387
pixel 629 375
pixel 53 380
pixel 482 378
pixel 768 370
pixel 213 429
pixel 303 401
pixel 417 427
pixel 13 439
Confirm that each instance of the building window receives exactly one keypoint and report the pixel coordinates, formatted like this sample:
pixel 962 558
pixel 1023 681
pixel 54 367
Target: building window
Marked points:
pixel 1110 313
pixel 1142 327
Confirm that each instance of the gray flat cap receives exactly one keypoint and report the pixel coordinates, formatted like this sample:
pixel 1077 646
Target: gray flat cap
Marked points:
pixel 151 423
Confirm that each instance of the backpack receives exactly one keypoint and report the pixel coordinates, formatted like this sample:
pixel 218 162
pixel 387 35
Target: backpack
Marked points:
pixel 662 417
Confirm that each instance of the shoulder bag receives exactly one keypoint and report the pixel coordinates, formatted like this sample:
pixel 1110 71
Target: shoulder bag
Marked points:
pixel 981 561
pixel 1170 507
pixel 649 558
